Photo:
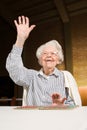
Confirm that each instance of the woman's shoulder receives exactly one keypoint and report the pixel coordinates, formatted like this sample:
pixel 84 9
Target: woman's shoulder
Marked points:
pixel 33 71
pixel 66 72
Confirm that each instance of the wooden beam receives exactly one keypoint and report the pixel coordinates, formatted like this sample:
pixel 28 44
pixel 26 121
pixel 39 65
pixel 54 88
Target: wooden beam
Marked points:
pixel 43 16
pixel 77 5
pixel 74 13
pixel 62 10
pixel 68 47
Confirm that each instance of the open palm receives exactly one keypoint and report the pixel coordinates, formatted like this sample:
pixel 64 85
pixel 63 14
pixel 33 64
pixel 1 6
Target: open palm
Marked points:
pixel 23 28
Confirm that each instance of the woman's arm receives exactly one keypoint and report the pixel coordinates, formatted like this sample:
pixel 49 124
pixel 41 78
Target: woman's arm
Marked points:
pixel 14 63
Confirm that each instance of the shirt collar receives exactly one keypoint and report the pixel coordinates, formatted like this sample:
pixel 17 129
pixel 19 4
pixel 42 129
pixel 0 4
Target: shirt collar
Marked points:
pixel 55 72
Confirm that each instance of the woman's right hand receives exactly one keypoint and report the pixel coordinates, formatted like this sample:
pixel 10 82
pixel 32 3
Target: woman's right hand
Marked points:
pixel 23 30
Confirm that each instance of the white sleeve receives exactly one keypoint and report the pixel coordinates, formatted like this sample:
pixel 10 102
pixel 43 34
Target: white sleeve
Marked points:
pixel 70 82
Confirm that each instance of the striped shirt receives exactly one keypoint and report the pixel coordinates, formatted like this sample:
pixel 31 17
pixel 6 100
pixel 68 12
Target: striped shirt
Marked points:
pixel 40 87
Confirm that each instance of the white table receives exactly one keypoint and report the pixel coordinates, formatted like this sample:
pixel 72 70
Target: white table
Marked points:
pixel 16 119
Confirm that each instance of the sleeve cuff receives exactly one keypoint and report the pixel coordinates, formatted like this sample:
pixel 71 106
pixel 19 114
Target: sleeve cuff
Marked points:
pixel 17 50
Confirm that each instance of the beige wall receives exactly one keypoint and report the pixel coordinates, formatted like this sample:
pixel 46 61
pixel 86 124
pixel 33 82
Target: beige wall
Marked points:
pixel 79 45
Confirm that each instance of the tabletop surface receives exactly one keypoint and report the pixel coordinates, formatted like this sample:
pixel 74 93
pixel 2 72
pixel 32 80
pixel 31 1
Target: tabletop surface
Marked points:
pixel 34 119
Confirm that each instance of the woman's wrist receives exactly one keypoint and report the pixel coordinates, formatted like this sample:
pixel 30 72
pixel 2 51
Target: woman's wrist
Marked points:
pixel 20 42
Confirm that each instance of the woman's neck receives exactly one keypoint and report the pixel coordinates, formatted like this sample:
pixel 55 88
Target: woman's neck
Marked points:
pixel 48 71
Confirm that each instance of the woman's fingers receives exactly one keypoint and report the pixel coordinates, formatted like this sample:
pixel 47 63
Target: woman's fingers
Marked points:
pixel 32 27
pixel 22 20
pixel 55 96
pixel 16 24
pixel 27 21
pixel 19 20
pixel 63 100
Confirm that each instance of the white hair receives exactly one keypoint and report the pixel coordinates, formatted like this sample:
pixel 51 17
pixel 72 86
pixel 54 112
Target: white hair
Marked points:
pixel 53 43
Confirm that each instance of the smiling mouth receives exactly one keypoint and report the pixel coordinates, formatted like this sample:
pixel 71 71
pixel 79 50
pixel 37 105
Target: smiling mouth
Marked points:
pixel 48 60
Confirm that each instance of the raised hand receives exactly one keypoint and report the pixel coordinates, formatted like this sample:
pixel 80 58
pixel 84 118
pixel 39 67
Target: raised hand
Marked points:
pixel 23 29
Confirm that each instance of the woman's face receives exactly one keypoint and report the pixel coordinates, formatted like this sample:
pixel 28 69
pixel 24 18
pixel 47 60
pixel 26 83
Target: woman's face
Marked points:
pixel 49 57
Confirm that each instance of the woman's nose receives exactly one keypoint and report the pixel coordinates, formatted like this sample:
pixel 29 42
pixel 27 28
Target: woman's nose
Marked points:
pixel 49 54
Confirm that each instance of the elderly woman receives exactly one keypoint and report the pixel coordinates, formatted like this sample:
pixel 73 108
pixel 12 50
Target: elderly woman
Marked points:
pixel 45 87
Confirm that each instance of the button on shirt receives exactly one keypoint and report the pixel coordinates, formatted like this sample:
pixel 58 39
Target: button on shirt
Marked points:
pixel 40 87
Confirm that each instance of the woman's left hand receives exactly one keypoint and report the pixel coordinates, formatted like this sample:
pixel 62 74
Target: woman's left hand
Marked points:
pixel 57 99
